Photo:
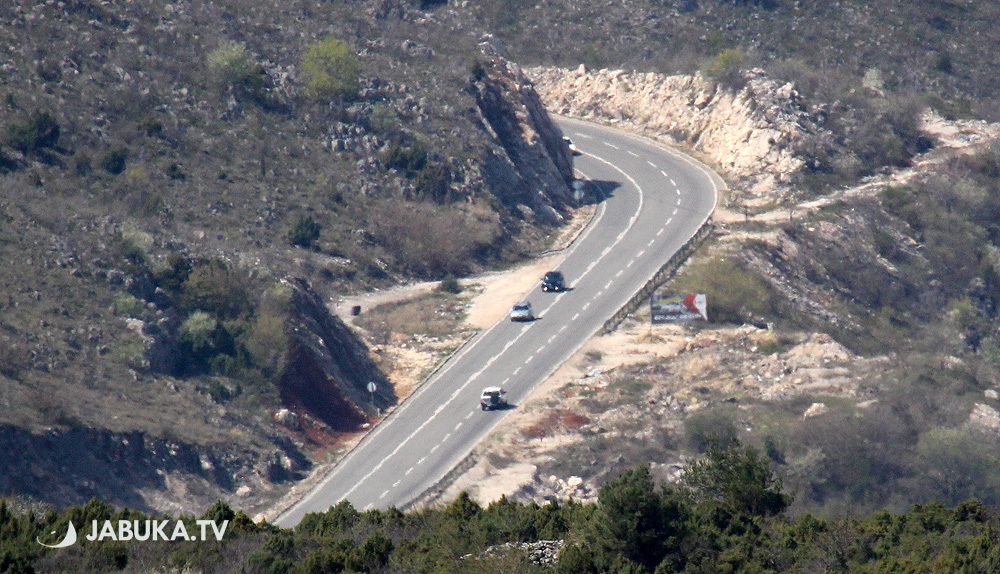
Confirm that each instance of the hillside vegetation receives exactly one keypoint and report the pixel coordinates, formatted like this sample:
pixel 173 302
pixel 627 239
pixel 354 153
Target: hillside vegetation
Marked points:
pixel 727 516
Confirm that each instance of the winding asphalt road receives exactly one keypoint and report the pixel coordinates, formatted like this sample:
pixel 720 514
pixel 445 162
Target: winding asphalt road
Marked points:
pixel 656 199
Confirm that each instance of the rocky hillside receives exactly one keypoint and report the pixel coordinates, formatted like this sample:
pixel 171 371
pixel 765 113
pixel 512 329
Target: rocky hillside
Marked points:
pixel 185 187
pixel 931 49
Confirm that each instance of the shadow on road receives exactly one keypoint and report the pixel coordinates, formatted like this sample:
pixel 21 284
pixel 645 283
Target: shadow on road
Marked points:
pixel 504 407
pixel 598 190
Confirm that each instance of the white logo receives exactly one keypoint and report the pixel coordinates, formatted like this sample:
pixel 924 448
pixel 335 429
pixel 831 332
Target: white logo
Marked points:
pixel 69 540
pixel 142 530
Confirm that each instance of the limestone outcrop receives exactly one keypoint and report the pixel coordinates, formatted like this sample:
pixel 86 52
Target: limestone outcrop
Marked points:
pixel 751 135
pixel 533 167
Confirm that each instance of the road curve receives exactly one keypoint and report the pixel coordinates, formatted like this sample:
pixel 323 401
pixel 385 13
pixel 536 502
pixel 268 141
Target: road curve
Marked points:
pixel 656 199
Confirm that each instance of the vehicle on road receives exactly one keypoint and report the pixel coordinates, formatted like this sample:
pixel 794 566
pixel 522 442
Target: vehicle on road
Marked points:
pixel 553 281
pixel 522 312
pixel 571 146
pixel 492 398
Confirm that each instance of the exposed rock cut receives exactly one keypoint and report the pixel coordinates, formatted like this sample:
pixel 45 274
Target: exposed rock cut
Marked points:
pixel 327 368
pixel 752 135
pixel 535 167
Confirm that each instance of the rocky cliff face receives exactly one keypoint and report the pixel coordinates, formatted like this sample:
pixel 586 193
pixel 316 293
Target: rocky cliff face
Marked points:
pixel 534 166
pixel 327 369
pixel 751 135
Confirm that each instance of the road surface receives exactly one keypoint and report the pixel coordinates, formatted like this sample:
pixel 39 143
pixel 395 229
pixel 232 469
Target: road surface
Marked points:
pixel 656 199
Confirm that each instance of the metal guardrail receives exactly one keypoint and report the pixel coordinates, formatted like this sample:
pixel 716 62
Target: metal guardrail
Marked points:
pixel 659 278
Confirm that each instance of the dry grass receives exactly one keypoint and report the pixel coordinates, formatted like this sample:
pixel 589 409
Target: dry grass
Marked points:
pixel 433 315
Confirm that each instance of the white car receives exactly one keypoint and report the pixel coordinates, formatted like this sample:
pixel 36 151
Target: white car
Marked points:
pixel 492 398
pixel 522 312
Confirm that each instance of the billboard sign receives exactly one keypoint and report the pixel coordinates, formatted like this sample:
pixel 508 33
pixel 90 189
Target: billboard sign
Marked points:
pixel 678 308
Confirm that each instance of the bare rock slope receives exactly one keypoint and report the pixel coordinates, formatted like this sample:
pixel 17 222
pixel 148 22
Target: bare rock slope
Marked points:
pixel 752 134
pixel 535 165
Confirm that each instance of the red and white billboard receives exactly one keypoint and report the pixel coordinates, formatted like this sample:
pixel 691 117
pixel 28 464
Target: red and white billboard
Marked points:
pixel 678 308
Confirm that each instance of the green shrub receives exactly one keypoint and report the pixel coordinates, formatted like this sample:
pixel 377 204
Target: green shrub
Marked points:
pixel 450 284
pixel 956 465
pixel 202 340
pixel 174 273
pixel 38 132
pixel 736 478
pixel 217 289
pixel 727 69
pixel 432 182
pixel 330 70
pixel 130 255
pixel 220 393
pixel 175 172
pixel 232 67
pixel 114 161
pixel 409 160
pixel 266 342
pixel 129 306
pixel 704 427
pixel 304 232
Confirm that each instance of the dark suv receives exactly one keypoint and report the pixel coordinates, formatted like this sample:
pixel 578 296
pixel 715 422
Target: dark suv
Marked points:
pixel 553 281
